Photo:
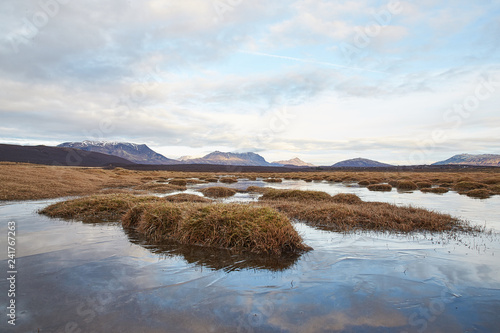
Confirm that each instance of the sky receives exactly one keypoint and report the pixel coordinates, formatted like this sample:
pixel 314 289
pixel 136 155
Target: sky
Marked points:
pixel 403 82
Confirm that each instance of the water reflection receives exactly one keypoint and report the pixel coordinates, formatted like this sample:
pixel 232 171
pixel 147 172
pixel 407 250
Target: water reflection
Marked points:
pixel 213 258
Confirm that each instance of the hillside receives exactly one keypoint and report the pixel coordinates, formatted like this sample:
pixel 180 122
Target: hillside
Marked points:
pixel 469 159
pixel 140 154
pixel 295 162
pixel 57 156
pixel 221 158
pixel 360 163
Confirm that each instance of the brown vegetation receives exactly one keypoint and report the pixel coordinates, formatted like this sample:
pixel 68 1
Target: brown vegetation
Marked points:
pixel 380 187
pixel 184 197
pixel 347 198
pixel 434 190
pixel 218 192
pixel 406 185
pixel 295 195
pixel 272 180
pixel 228 180
pixel 479 193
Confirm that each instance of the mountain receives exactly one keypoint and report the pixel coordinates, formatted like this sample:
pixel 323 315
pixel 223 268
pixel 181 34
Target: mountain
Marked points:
pixel 222 158
pixel 360 163
pixel 295 162
pixel 140 154
pixel 468 159
pixel 57 156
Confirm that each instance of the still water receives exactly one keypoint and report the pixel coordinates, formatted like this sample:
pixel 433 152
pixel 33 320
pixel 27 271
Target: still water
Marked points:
pixel 76 277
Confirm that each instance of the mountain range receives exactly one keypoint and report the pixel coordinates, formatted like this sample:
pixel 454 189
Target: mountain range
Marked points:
pixel 468 159
pixel 58 156
pixel 140 154
pixel 101 153
pixel 360 163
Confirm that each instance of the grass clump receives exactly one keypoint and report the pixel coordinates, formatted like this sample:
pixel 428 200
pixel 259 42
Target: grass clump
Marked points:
pixel 218 192
pixel 347 198
pixel 160 187
pixel 240 226
pixel 179 182
pixel 273 180
pixel 438 190
pixel 368 216
pixel 185 197
pixel 480 193
pixel 295 195
pixel 422 185
pixel 364 183
pixel 406 185
pixel 257 189
pixel 212 180
pixel 96 208
pixel 465 186
pixel 380 187
pixel 228 180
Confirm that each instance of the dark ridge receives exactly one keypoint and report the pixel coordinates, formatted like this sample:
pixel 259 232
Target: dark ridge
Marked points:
pixel 58 156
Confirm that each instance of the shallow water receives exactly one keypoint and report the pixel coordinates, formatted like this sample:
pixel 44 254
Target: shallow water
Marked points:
pixel 76 277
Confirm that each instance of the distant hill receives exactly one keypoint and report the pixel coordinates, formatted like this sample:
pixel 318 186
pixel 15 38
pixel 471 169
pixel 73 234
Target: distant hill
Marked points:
pixel 221 158
pixel 360 163
pixel 468 159
pixel 140 154
pixel 295 162
pixel 57 156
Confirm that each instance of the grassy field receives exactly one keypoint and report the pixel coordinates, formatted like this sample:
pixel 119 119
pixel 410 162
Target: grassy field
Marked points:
pixel 262 227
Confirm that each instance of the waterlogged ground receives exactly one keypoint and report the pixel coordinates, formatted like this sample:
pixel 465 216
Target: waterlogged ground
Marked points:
pixel 75 277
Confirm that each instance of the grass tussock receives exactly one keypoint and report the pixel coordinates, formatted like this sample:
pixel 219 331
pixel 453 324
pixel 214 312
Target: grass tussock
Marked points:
pixel 479 193
pixel 257 189
pixel 178 182
pixel 109 207
pixel 380 187
pixel 160 187
pixel 347 198
pixel 185 197
pixel 438 190
pixel 273 180
pixel 295 195
pixel 406 185
pixel 212 180
pixel 218 192
pixel 228 180
pixel 364 183
pixel 368 216
pixel 422 185
pixel 465 186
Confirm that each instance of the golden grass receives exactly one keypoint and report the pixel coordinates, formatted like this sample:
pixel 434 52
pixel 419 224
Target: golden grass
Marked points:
pixel 480 193
pixel 273 180
pixel 367 216
pixel 218 192
pixel 406 185
pixel 347 198
pixel 160 187
pixel 380 187
pixel 295 195
pixel 178 182
pixel 464 186
pixel 96 208
pixel 257 189
pixel 20 181
pixel 185 197
pixel 422 185
pixel 241 227
pixel 228 180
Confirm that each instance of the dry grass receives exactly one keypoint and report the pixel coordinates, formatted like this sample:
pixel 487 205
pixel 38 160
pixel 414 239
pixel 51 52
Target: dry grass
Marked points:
pixel 295 195
pixel 212 180
pixel 178 182
pixel 422 185
pixel 228 180
pixel 96 208
pixel 273 180
pixel 218 192
pixel 257 189
pixel 467 186
pixel 406 185
pixel 346 198
pixel 367 216
pixel 479 193
pixel 184 197
pixel 380 187
pixel 160 187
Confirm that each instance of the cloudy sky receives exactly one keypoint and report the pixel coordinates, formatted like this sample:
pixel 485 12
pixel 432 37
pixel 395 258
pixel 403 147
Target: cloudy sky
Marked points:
pixel 396 81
